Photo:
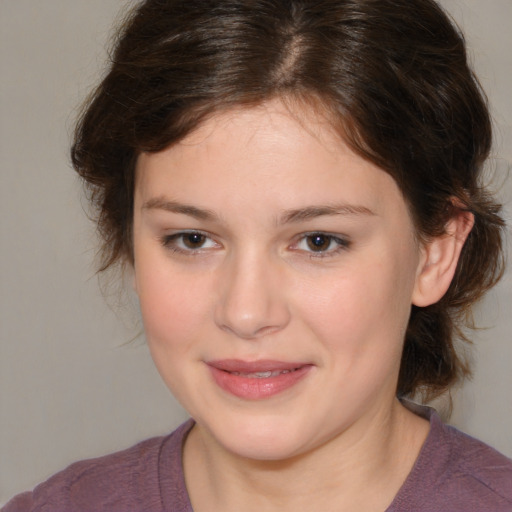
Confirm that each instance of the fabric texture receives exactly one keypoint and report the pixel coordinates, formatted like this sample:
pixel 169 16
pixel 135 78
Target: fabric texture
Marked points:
pixel 454 473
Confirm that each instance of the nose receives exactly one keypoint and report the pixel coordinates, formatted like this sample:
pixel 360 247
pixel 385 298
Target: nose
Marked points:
pixel 252 302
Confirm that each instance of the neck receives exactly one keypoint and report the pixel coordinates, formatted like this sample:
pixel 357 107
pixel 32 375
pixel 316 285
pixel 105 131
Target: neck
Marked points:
pixel 360 469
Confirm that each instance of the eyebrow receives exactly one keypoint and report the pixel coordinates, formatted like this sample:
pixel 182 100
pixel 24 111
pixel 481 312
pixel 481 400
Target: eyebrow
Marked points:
pixel 288 216
pixel 160 203
pixel 312 212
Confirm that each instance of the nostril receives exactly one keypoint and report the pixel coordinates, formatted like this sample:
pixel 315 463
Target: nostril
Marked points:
pixel 266 331
pixel 250 333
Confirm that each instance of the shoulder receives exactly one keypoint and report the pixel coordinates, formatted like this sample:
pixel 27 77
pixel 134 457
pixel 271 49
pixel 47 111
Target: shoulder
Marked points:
pixel 125 480
pixel 478 468
pixel 456 472
pixel 101 483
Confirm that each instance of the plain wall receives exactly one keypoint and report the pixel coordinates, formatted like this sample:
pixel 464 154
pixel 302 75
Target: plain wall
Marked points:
pixel 72 385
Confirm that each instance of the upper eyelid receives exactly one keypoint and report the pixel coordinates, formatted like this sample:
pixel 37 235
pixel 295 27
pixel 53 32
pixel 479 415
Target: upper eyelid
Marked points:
pixel 335 236
pixel 340 239
pixel 170 237
pixel 183 232
pixel 342 242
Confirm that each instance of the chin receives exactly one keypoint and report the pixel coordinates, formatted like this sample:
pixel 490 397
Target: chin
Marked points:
pixel 264 438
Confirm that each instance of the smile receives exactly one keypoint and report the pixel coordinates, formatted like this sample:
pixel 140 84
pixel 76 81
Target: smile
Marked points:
pixel 262 375
pixel 257 380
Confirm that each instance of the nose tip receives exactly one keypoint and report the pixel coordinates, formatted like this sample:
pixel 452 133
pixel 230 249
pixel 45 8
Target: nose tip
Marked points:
pixel 252 303
pixel 247 329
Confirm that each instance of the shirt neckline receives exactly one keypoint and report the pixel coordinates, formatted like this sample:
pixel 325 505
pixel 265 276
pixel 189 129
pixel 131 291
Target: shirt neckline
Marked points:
pixel 175 495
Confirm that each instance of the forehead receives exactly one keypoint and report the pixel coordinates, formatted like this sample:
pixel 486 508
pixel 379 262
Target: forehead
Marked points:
pixel 251 152
pixel 271 123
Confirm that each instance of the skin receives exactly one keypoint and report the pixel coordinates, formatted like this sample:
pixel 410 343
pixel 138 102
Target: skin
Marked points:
pixel 255 183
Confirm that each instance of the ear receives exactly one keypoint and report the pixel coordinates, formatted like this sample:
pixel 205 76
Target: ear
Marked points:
pixel 439 260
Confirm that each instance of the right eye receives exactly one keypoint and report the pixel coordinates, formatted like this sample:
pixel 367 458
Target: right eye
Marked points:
pixel 188 242
pixel 320 244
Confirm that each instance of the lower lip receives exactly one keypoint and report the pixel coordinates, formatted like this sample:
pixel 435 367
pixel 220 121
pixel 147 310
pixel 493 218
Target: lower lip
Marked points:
pixel 257 388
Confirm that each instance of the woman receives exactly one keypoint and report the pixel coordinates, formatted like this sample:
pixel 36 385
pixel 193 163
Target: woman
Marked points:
pixel 296 188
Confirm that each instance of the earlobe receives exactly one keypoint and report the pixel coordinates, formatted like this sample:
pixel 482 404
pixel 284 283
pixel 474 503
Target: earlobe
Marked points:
pixel 439 260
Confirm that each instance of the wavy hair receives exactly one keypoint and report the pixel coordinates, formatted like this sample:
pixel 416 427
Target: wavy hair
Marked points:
pixel 394 80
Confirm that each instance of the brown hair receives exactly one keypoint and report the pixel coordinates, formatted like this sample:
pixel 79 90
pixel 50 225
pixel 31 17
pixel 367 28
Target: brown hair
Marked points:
pixel 391 74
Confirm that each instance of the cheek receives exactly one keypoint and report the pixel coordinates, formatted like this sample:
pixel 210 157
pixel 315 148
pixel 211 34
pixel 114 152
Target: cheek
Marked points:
pixel 171 307
pixel 172 311
pixel 363 311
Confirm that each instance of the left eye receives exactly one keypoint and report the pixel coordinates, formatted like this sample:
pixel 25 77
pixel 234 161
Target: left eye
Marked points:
pixel 321 243
pixel 188 241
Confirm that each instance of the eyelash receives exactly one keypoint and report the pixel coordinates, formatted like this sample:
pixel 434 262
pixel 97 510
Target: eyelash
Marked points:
pixel 171 242
pixel 342 244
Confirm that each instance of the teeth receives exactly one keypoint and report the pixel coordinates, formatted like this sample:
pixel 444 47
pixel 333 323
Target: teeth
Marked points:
pixel 262 375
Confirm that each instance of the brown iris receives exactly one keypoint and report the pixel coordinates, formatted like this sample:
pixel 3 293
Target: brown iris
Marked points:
pixel 319 242
pixel 193 240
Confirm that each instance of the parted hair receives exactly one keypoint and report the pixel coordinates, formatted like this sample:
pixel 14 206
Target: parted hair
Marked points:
pixel 392 77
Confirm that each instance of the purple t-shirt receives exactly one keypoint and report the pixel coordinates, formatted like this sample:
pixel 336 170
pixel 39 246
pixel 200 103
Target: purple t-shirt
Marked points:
pixel 453 472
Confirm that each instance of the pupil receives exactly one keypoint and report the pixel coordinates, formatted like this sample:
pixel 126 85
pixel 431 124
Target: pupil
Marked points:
pixel 318 242
pixel 192 240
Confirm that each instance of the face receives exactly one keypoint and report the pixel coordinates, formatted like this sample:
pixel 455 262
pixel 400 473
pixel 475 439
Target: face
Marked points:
pixel 275 270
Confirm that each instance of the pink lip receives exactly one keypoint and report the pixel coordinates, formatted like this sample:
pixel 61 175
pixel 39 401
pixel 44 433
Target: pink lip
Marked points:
pixel 233 376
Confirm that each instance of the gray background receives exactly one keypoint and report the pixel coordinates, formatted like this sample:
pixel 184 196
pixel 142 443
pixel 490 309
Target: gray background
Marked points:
pixel 72 383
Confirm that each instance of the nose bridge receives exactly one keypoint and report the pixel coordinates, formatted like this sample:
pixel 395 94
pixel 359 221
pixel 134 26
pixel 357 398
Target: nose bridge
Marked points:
pixel 252 302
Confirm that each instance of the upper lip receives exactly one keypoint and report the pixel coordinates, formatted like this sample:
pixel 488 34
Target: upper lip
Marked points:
pixel 263 365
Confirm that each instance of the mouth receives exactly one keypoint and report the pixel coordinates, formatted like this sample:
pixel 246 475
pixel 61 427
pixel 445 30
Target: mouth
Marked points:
pixel 263 375
pixel 257 380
